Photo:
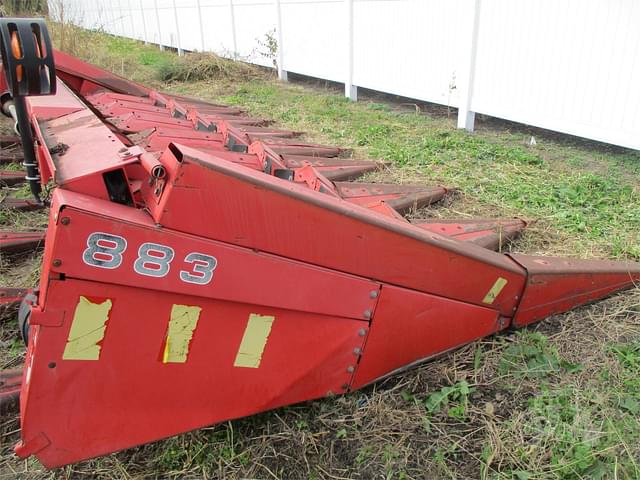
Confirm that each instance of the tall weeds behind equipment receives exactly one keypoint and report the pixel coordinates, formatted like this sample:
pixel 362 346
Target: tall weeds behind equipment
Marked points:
pixel 201 265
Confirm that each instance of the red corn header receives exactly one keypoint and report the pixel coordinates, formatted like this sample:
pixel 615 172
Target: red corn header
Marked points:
pixel 201 265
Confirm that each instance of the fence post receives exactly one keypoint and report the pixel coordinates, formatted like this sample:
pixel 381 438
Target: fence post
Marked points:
pixel 144 24
pixel 155 4
pixel 233 29
pixel 350 90
pixel 201 29
pixel 175 16
pixel 282 73
pixel 466 118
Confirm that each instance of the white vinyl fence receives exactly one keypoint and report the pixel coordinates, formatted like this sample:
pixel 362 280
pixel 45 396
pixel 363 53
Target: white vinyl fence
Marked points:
pixel 572 66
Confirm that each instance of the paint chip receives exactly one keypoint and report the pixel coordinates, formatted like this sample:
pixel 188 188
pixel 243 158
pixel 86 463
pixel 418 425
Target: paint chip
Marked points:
pixel 493 293
pixel 87 330
pixel 253 341
pixel 182 323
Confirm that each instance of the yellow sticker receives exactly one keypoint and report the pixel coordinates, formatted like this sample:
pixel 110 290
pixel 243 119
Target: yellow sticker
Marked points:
pixel 493 293
pixel 87 330
pixel 253 341
pixel 182 323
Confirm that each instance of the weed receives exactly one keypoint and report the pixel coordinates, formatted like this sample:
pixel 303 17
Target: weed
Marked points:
pixel 364 454
pixel 628 395
pixel 302 424
pixel 531 357
pixel 269 47
pixel 574 436
pixel 453 399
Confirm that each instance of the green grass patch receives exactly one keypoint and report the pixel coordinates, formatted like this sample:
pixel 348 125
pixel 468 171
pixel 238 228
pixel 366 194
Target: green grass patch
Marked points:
pixel 570 431
pixel 531 356
pixel 591 208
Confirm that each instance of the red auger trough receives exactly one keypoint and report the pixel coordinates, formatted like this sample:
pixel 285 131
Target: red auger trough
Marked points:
pixel 200 265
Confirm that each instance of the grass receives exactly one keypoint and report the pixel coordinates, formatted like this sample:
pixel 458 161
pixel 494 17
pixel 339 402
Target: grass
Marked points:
pixel 559 400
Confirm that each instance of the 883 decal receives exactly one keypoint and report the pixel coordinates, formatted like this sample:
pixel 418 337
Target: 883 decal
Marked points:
pixel 105 250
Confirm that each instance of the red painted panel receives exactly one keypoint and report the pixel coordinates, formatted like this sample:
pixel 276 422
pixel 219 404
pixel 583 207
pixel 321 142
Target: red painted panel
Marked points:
pixel 241 274
pixel 91 147
pixel 410 326
pixel 129 396
pixel 51 106
pixel 219 200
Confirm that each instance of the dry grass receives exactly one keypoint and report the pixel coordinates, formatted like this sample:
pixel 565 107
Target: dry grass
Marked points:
pixel 195 67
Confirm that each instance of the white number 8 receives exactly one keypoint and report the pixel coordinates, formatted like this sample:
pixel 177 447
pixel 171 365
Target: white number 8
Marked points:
pixel 104 250
pixel 153 255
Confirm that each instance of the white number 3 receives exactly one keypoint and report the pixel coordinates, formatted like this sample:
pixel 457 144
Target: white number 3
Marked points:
pixel 202 269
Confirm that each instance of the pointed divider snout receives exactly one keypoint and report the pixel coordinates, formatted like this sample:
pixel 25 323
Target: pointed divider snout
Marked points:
pixel 18 242
pixel 487 233
pixel 21 204
pixel 555 285
pixel 11 177
pixel 402 198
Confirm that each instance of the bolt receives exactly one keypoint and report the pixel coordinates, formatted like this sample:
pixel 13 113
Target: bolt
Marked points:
pixel 351 369
pixel 57 262
pixel 373 294
pixel 357 351
pixel 345 386
pixel 362 332
pixel 65 221
pixel 367 314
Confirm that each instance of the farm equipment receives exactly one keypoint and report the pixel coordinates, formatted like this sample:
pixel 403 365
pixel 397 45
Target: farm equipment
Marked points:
pixel 201 265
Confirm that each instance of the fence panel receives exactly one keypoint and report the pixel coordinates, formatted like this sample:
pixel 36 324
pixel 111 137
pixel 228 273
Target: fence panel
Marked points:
pixel 217 27
pixel 565 65
pixel 409 47
pixel 314 36
pixel 255 21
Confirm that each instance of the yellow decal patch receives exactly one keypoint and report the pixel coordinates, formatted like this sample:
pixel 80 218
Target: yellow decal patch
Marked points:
pixel 183 321
pixel 87 330
pixel 253 341
pixel 493 293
